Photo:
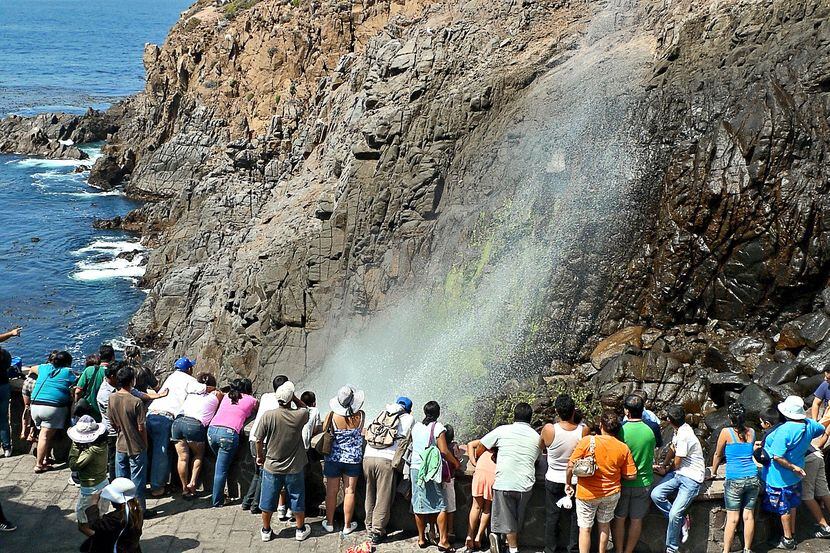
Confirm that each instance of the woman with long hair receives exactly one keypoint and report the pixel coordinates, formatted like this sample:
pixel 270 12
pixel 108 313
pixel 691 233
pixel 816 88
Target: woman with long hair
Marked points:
pixel 428 494
pixel 223 434
pixel 742 486
pixel 189 431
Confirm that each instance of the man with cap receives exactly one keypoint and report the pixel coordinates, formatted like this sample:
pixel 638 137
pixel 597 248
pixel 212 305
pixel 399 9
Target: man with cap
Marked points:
pixel 787 446
pixel 383 436
pixel 160 415
pixel 281 454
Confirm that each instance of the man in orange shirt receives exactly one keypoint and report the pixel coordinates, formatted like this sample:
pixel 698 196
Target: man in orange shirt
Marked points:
pixel 597 495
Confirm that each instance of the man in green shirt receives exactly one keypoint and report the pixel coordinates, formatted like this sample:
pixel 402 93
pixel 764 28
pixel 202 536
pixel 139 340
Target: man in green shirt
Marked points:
pixel 634 498
pixel 91 378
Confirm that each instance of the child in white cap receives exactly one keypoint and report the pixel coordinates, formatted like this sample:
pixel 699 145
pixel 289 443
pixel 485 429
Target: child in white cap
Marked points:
pixel 119 530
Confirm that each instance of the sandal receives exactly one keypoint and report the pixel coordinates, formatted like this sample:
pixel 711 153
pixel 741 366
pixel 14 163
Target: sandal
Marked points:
pixel 40 469
pixel 448 549
pixel 424 545
pixel 470 544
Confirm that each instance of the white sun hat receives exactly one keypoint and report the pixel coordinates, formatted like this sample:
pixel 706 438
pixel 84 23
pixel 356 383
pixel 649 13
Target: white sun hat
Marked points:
pixel 119 491
pixel 86 430
pixel 793 408
pixel 347 402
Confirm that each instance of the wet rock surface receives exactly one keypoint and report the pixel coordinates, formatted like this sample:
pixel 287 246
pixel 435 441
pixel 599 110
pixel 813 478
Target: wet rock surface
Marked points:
pixel 308 166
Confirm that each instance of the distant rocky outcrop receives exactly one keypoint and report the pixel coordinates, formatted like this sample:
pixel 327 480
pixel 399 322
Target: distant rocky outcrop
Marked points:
pixel 55 135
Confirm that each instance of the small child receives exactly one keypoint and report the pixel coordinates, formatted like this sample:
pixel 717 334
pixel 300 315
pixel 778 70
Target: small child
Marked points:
pixel 449 487
pixel 88 458
pixel 28 431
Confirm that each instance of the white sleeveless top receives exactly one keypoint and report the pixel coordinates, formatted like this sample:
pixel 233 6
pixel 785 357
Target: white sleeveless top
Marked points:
pixel 559 452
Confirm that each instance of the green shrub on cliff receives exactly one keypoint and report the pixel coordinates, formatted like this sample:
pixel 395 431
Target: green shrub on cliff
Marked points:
pixel 233 7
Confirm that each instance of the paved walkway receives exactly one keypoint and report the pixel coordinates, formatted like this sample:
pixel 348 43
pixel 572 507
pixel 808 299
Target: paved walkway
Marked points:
pixel 43 507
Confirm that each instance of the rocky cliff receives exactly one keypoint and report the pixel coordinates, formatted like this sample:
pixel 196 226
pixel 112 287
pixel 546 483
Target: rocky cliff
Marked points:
pixel 413 179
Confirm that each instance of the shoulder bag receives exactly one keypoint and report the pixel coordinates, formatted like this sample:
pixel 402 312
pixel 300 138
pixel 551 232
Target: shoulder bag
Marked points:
pixel 323 441
pixel 586 466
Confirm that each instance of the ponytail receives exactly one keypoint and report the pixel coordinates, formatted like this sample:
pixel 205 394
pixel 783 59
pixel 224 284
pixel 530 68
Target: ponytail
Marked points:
pixel 737 416
pixel 236 390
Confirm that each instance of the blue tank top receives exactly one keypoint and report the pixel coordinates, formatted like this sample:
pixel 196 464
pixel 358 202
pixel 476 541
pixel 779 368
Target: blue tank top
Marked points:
pixel 739 463
pixel 347 446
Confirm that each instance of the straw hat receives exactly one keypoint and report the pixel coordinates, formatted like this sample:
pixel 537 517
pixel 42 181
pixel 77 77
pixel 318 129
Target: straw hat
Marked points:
pixel 86 430
pixel 793 408
pixel 347 402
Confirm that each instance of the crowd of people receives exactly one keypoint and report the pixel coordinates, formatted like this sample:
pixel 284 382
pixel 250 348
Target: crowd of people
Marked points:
pixel 606 473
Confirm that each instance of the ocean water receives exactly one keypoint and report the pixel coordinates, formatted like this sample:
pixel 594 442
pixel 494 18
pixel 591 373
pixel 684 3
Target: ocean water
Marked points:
pixel 62 280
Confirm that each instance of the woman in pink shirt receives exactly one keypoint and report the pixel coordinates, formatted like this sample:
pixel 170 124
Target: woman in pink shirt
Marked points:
pixel 189 431
pixel 223 434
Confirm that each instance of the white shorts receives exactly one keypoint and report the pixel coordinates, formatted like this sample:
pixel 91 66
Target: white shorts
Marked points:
pixel 87 498
pixel 449 495
pixel 602 509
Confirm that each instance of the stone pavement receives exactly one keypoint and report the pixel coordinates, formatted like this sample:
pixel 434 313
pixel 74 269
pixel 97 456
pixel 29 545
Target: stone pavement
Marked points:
pixel 43 507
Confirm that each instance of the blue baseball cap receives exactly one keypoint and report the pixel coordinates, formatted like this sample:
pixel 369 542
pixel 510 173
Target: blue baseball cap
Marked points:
pixel 404 402
pixel 185 364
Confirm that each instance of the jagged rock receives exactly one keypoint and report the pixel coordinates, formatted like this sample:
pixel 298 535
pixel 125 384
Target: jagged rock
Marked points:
pixel 746 345
pixel 55 135
pixel 814 362
pixel 813 328
pixel 616 343
pixel 720 383
pixel 756 400
pixel 772 374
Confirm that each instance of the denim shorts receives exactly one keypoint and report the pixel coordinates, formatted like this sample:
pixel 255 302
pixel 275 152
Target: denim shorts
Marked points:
pixel 188 429
pixel 336 469
pixel 272 485
pixel 741 493
pixel 780 501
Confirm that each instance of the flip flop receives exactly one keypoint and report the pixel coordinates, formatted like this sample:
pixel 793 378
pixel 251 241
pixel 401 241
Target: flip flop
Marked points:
pixel 41 469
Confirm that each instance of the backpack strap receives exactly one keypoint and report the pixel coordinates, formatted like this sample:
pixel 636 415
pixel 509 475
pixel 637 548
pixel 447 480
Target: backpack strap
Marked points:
pixel 432 434
pixel 593 445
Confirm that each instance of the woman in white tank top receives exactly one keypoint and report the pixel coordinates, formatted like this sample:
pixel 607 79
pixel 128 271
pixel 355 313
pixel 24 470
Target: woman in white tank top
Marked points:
pixel 560 439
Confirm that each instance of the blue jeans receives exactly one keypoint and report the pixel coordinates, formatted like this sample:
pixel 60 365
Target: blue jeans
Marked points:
pixel 158 427
pixel 133 467
pixel 5 431
pixel 224 443
pixel 687 489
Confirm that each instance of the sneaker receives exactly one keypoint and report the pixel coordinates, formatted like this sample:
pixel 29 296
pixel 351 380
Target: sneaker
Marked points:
pixel 73 479
pixel 788 544
pixel 495 546
pixel 376 539
pixel 348 530
pixel 823 532
pixel 245 507
pixel 328 527
pixel 256 511
pixel 266 534
pixel 7 527
pixel 281 513
pixel 7 452
pixel 684 530
pixel 303 534
pixel 290 515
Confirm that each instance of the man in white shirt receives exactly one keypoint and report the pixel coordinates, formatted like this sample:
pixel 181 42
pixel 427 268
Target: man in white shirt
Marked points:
pixel 519 447
pixel 160 415
pixel 684 470
pixel 377 463
pixel 267 402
